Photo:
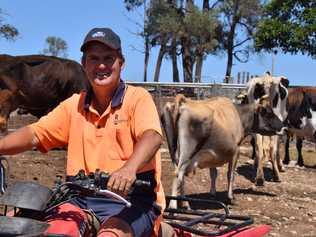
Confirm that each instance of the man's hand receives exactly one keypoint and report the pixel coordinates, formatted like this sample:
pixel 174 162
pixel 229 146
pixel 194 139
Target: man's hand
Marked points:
pixel 121 181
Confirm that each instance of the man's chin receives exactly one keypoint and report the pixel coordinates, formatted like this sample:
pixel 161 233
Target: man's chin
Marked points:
pixel 101 82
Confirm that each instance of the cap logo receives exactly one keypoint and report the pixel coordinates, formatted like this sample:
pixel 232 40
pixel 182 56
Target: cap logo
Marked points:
pixel 98 34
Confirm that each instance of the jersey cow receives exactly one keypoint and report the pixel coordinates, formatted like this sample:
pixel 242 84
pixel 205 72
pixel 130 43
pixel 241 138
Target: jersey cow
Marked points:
pixel 301 118
pixel 36 84
pixel 276 90
pixel 208 133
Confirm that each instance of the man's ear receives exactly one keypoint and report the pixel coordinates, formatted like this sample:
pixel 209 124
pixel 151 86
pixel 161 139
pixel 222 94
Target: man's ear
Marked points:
pixel 122 64
pixel 83 61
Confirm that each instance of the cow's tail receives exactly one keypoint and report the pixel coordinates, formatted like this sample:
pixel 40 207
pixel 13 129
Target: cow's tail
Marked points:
pixel 170 129
pixel 169 118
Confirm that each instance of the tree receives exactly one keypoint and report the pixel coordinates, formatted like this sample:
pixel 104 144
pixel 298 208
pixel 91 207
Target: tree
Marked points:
pixel 239 19
pixel 178 28
pixel 55 47
pixel 162 27
pixel 7 31
pixel 186 31
pixel 289 25
pixel 131 5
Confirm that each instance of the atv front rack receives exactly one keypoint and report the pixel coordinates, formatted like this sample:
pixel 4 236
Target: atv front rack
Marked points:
pixel 208 218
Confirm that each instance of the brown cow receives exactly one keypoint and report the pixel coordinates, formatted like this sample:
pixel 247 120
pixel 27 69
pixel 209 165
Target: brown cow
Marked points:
pixel 36 84
pixel 208 133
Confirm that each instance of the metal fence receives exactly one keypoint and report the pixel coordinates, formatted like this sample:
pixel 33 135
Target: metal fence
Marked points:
pixel 197 90
pixel 164 91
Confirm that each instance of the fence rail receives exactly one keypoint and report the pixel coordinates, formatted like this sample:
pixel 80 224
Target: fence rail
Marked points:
pixel 196 90
pixel 187 84
pixel 164 91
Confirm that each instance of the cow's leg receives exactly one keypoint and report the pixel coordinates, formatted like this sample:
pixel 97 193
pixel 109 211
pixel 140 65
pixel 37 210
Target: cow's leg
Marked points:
pixel 299 144
pixel 286 159
pixel 185 149
pixel 213 175
pixel 183 204
pixel 177 188
pixel 253 145
pixel 231 175
pixel 277 154
pixel 273 160
pixel 259 181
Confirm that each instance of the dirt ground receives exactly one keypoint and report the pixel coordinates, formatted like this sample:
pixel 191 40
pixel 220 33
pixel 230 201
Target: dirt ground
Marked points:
pixel 289 206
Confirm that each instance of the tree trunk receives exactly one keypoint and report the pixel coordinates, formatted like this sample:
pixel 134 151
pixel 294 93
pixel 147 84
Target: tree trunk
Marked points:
pixel 230 42
pixel 175 71
pixel 159 62
pixel 206 5
pixel 186 60
pixel 146 59
pixel 198 68
pixel 229 65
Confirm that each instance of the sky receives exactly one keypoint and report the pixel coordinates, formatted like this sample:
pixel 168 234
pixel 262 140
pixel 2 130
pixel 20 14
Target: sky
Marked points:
pixel 72 19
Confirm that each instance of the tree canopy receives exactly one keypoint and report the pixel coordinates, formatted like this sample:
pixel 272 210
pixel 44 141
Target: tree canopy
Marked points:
pixel 7 31
pixel 55 46
pixel 288 25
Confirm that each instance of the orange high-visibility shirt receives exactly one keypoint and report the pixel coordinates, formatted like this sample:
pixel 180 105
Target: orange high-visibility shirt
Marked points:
pixel 104 141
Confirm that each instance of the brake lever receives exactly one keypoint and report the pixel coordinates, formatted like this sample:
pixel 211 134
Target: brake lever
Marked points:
pixel 106 192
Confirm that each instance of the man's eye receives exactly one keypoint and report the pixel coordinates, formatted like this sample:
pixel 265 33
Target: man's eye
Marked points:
pixel 93 59
pixel 109 60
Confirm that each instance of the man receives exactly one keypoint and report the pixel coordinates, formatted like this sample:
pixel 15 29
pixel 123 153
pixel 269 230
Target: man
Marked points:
pixel 112 127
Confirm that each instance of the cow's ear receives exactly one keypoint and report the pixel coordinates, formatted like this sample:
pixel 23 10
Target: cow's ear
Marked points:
pixel 242 98
pixel 285 82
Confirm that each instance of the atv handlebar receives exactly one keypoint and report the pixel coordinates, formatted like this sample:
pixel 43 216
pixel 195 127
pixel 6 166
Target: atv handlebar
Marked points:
pixel 92 184
pixel 99 180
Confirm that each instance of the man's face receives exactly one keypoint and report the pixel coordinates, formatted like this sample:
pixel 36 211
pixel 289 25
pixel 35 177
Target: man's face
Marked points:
pixel 102 65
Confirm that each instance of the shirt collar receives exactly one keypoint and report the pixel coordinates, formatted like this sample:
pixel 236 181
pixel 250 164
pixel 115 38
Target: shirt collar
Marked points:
pixel 117 98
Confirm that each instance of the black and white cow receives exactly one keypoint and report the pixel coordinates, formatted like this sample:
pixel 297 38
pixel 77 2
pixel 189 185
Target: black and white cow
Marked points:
pixel 301 118
pixel 276 89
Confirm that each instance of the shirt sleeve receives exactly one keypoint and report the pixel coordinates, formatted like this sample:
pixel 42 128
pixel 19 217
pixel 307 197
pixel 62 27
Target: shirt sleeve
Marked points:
pixel 52 130
pixel 145 116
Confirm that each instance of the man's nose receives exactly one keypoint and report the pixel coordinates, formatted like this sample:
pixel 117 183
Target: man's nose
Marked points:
pixel 102 65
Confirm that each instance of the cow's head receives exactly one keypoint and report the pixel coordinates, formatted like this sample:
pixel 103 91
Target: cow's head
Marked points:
pixel 8 104
pixel 266 122
pixel 273 87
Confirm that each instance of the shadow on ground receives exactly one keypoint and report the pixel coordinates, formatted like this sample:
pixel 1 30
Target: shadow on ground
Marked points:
pixel 248 171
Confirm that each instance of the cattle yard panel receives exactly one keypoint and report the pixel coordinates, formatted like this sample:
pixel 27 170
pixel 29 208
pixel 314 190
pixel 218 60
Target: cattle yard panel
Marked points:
pixel 163 91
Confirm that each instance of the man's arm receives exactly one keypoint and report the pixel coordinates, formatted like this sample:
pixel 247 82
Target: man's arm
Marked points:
pixel 145 149
pixel 21 140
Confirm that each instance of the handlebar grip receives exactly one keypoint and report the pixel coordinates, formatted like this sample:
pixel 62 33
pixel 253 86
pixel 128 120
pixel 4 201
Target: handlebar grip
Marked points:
pixel 142 183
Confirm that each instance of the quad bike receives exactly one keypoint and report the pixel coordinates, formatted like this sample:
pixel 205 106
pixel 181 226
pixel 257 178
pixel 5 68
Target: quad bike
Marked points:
pixel 29 201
